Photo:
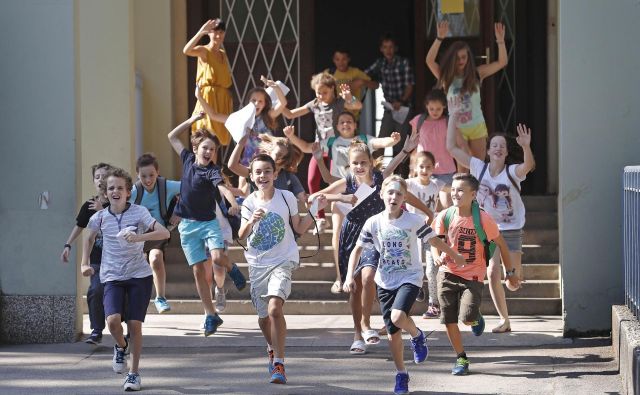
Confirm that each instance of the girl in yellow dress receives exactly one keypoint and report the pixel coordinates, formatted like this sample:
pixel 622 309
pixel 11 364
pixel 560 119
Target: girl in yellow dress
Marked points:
pixel 213 76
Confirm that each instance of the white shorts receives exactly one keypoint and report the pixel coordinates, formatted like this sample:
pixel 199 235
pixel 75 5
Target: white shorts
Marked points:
pixel 268 281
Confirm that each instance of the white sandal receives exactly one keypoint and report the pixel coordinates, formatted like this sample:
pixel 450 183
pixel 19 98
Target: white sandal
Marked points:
pixel 371 337
pixel 358 347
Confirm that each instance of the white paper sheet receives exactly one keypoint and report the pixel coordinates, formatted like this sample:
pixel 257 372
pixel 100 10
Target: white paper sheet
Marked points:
pixel 363 192
pixel 344 208
pixel 241 120
pixel 400 115
pixel 313 210
pixel 272 93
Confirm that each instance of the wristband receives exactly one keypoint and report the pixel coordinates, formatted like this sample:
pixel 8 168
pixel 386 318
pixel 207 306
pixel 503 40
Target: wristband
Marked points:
pixel 67 246
pixel 509 273
pixel 407 153
pixel 353 99
pixel 500 42
pixel 439 38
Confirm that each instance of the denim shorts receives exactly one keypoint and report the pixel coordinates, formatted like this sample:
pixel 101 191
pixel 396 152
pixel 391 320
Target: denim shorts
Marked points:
pixel 197 236
pixel 513 238
pixel 447 178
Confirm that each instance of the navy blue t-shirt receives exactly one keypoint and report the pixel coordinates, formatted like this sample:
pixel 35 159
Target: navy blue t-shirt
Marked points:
pixel 198 190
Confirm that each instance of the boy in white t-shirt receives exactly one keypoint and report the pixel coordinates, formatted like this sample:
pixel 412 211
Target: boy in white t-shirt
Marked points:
pixel 428 190
pixel 269 220
pixel 394 233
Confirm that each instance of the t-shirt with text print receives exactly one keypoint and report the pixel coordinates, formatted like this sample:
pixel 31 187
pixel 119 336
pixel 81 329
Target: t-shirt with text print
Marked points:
pixel 396 241
pixel 462 238
pixel 272 241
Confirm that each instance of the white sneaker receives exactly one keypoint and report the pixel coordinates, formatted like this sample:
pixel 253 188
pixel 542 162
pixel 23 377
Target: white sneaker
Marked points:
pixel 322 225
pixel 221 299
pixel 132 382
pixel 120 355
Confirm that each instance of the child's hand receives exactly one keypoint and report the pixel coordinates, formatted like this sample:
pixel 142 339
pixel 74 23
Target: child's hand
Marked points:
pixel 524 135
pixel 442 29
pixel 322 202
pixel 316 149
pixel 459 260
pixel 267 82
pixel 257 216
pixel 349 199
pixel 95 204
pixel 439 259
pixel 174 220
pixel 64 257
pixel 345 92
pixel 411 142
pixel 234 210
pixel 131 237
pixel 209 26
pixel 499 30
pixel 513 282
pixel 289 131
pixel 197 116
pixel 396 137
pixel 86 270
pixel 349 285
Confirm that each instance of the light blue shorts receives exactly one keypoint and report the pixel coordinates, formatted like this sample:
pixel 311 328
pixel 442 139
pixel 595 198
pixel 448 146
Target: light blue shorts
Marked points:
pixel 197 236
pixel 447 178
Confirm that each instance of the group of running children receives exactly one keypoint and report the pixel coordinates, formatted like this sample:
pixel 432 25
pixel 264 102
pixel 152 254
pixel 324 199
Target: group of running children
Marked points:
pixel 376 244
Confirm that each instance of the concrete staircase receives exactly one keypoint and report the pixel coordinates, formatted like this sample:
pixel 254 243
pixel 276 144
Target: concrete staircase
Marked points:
pixel 312 281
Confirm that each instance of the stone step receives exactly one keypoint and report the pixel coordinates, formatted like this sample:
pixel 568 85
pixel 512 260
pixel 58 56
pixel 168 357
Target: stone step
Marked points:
pixel 541 220
pixel 319 290
pixel 517 306
pixel 548 203
pixel 310 271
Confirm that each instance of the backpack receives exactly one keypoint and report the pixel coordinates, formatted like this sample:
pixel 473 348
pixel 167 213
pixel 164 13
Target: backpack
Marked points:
pixel 489 246
pixel 513 182
pixel 165 212
pixel 362 137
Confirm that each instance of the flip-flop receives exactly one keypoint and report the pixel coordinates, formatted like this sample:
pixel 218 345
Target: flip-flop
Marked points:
pixel 358 347
pixel 336 288
pixel 371 336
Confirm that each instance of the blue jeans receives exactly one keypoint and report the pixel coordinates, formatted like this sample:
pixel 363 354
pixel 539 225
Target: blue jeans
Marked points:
pixel 94 301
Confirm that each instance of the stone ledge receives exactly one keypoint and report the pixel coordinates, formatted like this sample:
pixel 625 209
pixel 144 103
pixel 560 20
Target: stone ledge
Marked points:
pixel 37 319
pixel 625 340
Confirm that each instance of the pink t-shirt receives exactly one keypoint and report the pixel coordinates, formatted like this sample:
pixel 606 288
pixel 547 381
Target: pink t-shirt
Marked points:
pixel 433 138
pixel 463 239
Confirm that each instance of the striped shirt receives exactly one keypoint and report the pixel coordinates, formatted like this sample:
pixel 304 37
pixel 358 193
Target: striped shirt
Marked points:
pixel 394 76
pixel 397 242
pixel 122 262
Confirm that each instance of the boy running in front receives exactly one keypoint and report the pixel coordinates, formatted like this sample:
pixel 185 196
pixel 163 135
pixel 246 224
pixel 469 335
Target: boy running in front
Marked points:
pixel 394 233
pixel 269 220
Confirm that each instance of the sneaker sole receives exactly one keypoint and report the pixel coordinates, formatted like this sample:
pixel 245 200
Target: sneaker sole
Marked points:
pixel 278 380
pixel 460 374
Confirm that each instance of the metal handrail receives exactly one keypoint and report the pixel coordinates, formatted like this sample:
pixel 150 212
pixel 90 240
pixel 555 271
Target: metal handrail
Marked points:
pixel 631 238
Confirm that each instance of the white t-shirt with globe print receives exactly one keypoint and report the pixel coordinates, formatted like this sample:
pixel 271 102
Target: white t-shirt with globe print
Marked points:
pixel 396 241
pixel 272 241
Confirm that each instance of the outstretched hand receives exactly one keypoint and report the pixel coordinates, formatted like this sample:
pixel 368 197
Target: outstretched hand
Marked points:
pixel 267 82
pixel 524 135
pixel 499 31
pixel 442 29
pixel 209 26
pixel 396 137
pixel 411 142
pixel 289 131
pixel 345 92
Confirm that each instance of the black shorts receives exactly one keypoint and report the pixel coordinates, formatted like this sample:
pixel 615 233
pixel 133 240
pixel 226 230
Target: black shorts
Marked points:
pixel 155 245
pixel 401 298
pixel 130 295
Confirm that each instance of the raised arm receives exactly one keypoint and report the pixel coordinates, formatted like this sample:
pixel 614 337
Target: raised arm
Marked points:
pixel 351 102
pixel 460 155
pixel 487 70
pixel 192 48
pixel 324 172
pixel 234 160
pixel 290 133
pixel 282 99
pixel 441 32
pixel 409 145
pixel 384 142
pixel 524 141
pixel 214 116
pixel 295 113
pixel 174 135
pixel 334 192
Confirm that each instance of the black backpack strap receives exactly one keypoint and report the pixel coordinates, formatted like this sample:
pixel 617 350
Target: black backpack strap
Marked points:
pixel 139 192
pixel 484 169
pixel 161 184
pixel 513 182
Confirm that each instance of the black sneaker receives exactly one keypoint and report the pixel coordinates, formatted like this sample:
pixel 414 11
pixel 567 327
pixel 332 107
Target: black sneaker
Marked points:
pixel 94 338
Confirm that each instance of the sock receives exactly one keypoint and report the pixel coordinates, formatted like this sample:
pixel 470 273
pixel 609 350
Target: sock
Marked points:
pixel 278 360
pixel 269 348
pixel 462 355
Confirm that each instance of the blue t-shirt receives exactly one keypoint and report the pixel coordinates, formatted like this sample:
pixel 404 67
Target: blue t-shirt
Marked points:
pixel 150 199
pixel 198 189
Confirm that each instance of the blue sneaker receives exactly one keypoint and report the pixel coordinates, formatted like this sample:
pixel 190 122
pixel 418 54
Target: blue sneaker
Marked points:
pixel 237 277
pixel 419 347
pixel 461 368
pixel 277 374
pixel 94 338
pixel 402 383
pixel 478 327
pixel 162 305
pixel 211 324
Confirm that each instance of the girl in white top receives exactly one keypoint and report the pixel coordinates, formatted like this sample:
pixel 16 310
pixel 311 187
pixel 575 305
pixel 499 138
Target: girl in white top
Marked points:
pixel 499 195
pixel 428 190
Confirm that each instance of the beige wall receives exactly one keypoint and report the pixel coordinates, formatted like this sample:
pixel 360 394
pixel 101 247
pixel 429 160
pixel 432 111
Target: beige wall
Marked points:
pixel 106 85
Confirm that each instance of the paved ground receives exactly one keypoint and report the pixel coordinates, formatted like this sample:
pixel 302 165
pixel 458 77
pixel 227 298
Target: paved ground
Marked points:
pixel 177 359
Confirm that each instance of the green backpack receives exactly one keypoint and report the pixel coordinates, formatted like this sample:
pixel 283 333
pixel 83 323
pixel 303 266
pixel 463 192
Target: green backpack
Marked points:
pixel 489 246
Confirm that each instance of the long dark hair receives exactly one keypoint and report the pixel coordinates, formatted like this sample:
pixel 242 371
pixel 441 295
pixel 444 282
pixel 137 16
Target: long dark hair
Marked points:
pixel 470 80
